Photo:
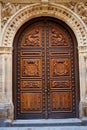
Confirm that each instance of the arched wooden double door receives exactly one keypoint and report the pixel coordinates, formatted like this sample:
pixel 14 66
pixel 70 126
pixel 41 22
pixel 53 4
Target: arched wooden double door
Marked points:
pixel 45 71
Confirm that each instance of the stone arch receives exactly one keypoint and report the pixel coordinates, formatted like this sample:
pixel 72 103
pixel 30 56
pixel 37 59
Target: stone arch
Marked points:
pixel 44 9
pixel 36 10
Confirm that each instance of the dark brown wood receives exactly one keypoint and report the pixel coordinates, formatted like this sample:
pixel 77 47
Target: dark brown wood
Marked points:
pixel 45 71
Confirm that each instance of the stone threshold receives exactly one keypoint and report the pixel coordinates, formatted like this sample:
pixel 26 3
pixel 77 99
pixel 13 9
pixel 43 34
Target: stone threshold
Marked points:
pixel 44 122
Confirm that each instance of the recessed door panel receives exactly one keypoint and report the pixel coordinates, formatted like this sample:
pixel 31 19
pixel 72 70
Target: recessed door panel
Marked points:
pixel 60 67
pixel 61 101
pixel 31 67
pixel 31 102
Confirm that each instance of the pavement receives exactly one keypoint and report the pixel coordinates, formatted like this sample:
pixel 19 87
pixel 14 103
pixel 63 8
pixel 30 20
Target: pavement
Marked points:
pixel 46 128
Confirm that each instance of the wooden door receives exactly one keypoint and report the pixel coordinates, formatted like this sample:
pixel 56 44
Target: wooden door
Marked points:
pixel 45 75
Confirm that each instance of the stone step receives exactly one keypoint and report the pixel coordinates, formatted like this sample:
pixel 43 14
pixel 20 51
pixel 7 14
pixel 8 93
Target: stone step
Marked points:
pixel 46 128
pixel 5 123
pixel 44 123
pixel 47 122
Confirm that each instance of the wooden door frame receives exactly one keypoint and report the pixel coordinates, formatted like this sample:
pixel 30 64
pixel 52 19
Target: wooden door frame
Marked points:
pixel 14 71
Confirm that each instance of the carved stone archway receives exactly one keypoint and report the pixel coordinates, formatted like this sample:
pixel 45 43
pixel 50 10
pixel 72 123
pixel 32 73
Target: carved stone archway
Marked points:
pixel 36 10
pixel 44 9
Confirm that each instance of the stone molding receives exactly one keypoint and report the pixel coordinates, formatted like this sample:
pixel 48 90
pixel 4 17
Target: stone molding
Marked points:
pixel 44 9
pixel 20 1
pixel 10 7
pixel 5 50
pixel 35 1
pixel 80 8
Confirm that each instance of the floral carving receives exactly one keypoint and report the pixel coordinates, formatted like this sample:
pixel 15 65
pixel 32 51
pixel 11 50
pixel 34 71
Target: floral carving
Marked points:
pixel 9 9
pixel 31 84
pixel 61 84
pixel 79 8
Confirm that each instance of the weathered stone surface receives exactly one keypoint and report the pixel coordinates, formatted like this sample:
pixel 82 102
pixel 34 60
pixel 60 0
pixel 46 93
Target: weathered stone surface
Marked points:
pixel 10 7
pixel 49 122
pixel 14 13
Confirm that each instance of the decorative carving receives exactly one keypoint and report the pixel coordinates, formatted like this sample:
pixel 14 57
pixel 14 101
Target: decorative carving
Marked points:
pixel 32 39
pixel 31 102
pixel 61 101
pixel 31 11
pixel 57 38
pixel 20 1
pixel 9 9
pixel 60 84
pixel 61 67
pixel 79 8
pixel 31 84
pixel 31 67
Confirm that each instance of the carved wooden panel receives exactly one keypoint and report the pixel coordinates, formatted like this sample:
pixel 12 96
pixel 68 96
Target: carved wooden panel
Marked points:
pixel 60 67
pixel 29 84
pixel 60 53
pixel 31 67
pixel 61 101
pixel 31 102
pixel 31 53
pixel 57 37
pixel 32 38
pixel 55 84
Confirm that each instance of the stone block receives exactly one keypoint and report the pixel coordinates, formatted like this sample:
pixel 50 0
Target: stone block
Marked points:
pixel 6 111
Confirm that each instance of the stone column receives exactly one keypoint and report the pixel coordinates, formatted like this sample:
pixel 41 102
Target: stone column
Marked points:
pixel 0 18
pixel 8 83
pixel 6 105
pixel 83 81
pixel 82 76
pixel 85 100
pixel 3 111
pixel 1 77
pixel 8 76
pixel 0 56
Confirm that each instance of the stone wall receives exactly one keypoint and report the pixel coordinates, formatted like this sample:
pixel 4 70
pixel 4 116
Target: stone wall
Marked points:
pixel 13 14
